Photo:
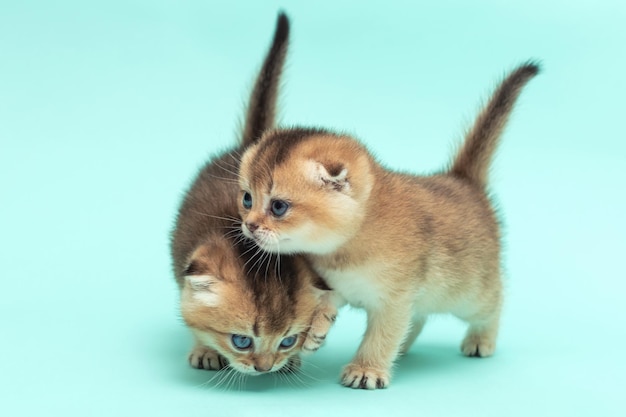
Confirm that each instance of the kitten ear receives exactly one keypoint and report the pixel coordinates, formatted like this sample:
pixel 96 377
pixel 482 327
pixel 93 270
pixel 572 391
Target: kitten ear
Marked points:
pixel 200 282
pixel 202 286
pixel 330 175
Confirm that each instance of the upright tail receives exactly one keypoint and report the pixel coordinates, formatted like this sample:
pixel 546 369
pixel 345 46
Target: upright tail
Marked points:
pixel 262 105
pixel 473 159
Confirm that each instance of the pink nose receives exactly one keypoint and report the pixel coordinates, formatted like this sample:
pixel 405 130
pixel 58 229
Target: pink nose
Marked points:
pixel 252 227
pixel 262 368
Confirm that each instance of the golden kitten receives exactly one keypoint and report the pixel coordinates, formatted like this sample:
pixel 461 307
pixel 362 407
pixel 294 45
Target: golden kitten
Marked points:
pixel 252 312
pixel 398 245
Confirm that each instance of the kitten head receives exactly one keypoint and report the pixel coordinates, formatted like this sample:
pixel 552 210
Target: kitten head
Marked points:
pixel 304 190
pixel 255 315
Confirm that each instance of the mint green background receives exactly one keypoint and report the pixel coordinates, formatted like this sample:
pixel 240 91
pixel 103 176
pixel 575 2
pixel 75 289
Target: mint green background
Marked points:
pixel 107 109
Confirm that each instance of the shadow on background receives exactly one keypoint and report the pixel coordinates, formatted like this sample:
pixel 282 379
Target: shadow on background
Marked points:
pixel 424 361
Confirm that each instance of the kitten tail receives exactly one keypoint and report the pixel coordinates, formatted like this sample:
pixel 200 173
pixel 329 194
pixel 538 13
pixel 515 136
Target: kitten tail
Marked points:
pixel 262 106
pixel 473 159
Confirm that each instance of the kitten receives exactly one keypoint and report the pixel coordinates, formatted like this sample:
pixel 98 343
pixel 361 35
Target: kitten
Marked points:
pixel 247 310
pixel 398 245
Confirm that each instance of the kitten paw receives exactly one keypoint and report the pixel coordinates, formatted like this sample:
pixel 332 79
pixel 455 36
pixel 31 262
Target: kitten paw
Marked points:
pixel 320 326
pixel 202 357
pixel 357 376
pixel 477 345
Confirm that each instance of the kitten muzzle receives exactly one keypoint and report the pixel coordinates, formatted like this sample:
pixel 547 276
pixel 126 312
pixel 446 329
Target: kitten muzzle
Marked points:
pixel 252 227
pixel 262 368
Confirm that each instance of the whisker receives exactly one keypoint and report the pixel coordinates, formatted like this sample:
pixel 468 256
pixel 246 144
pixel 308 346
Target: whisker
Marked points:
pixel 318 368
pixel 240 239
pixel 219 375
pixel 310 375
pixel 230 379
pixel 260 264
pixel 217 177
pixel 235 232
pixel 233 219
pixel 278 377
pixel 260 259
pixel 303 375
pixel 223 376
pixel 278 262
pixel 243 237
pixel 293 377
pixel 234 166
pixel 233 228
pixel 235 173
pixel 267 261
pixel 251 258
pixel 246 252
pixel 251 248
pixel 242 381
pixel 236 152
pixel 297 380
pixel 267 266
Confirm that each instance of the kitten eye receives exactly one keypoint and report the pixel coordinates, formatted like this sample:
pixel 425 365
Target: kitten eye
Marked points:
pixel 241 342
pixel 246 201
pixel 279 207
pixel 288 342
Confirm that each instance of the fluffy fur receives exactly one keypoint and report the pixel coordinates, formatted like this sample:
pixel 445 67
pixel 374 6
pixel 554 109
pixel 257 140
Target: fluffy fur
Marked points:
pixel 228 287
pixel 400 246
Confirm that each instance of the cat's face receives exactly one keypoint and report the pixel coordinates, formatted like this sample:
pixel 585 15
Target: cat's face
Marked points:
pixel 258 321
pixel 296 197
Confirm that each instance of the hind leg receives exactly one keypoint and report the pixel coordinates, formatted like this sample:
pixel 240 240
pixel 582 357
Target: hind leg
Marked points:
pixel 483 318
pixel 480 339
pixel 416 328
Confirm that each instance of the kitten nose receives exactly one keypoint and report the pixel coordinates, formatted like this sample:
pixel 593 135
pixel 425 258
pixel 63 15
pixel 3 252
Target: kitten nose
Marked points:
pixel 252 226
pixel 262 368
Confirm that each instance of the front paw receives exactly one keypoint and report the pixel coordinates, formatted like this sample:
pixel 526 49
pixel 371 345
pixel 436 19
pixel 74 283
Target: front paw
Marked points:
pixel 202 357
pixel 358 376
pixel 320 326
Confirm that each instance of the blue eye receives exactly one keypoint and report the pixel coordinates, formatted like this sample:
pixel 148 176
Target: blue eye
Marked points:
pixel 288 342
pixel 246 201
pixel 279 207
pixel 241 342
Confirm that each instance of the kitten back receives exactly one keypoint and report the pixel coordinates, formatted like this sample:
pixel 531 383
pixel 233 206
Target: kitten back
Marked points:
pixel 473 160
pixel 261 112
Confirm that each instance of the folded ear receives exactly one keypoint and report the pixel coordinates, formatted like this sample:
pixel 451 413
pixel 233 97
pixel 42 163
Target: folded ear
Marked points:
pixel 330 175
pixel 201 286
pixel 201 282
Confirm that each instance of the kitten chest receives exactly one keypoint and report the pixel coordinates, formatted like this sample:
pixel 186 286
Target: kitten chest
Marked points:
pixel 358 286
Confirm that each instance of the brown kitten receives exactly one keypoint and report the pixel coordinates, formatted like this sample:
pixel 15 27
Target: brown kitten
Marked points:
pixel 398 245
pixel 247 310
